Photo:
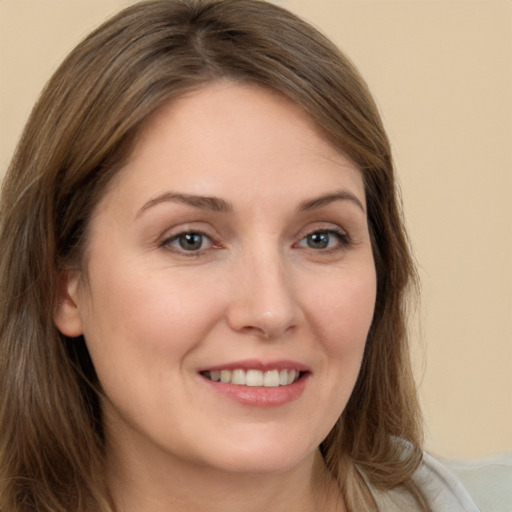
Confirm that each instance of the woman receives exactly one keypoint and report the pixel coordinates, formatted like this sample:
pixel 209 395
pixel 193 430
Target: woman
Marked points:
pixel 205 276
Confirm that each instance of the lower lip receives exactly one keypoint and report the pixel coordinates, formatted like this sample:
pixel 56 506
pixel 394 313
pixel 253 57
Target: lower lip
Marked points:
pixel 260 396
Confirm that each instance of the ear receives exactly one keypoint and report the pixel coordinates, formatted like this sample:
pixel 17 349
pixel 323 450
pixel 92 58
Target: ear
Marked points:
pixel 67 316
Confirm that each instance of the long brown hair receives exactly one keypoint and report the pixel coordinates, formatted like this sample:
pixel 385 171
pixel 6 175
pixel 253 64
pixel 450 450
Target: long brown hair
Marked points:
pixel 79 133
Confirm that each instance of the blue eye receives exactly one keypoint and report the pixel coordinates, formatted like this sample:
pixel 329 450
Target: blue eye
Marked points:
pixel 190 241
pixel 324 239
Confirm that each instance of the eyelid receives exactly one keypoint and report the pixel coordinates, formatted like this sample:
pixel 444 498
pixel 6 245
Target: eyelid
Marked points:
pixel 343 236
pixel 177 237
pixel 173 234
pixel 182 230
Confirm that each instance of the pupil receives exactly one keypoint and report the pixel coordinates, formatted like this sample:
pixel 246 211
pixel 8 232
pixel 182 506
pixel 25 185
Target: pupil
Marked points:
pixel 191 241
pixel 318 240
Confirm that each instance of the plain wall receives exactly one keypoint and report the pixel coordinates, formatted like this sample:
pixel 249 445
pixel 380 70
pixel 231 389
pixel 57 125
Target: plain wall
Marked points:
pixel 441 72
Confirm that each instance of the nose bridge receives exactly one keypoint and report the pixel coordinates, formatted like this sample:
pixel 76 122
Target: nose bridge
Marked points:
pixel 265 300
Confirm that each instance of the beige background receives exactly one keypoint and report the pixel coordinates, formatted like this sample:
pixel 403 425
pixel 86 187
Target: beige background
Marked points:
pixel 442 74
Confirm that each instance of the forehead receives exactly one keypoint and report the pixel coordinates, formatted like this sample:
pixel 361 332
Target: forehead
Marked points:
pixel 254 139
pixel 246 106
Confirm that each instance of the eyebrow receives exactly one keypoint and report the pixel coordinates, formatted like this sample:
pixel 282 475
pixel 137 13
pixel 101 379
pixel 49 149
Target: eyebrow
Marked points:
pixel 319 202
pixel 218 205
pixel 213 204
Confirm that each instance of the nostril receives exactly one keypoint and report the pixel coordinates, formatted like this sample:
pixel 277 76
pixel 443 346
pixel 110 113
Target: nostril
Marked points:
pixel 267 308
pixel 267 332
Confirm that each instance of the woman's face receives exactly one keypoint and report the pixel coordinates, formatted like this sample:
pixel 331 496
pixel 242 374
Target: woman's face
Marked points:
pixel 233 245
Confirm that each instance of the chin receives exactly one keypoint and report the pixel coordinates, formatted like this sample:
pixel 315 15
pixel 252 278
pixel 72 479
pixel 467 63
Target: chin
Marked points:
pixel 258 453
pixel 262 464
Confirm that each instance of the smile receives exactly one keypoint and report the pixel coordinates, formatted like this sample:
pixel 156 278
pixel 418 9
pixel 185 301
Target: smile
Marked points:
pixel 253 377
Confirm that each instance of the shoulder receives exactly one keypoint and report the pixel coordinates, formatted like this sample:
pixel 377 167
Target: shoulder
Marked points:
pixel 442 489
pixel 488 480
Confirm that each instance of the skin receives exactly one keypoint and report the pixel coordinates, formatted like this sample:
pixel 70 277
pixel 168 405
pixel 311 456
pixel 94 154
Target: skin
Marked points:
pixel 258 286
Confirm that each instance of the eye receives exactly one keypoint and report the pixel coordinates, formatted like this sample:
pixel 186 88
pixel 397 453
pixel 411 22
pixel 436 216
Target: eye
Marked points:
pixel 190 241
pixel 325 239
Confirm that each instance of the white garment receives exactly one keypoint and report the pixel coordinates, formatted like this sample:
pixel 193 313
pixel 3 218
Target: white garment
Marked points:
pixel 488 480
pixel 443 490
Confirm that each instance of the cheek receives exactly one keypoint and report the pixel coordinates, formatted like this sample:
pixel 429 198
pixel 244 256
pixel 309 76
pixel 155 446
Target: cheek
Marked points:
pixel 343 311
pixel 341 314
pixel 136 323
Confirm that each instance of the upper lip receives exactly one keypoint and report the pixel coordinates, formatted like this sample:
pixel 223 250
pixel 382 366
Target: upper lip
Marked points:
pixel 255 364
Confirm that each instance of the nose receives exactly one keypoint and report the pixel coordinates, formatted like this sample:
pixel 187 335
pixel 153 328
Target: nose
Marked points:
pixel 263 302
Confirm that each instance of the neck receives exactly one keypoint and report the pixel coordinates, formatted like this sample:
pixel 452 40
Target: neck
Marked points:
pixel 187 487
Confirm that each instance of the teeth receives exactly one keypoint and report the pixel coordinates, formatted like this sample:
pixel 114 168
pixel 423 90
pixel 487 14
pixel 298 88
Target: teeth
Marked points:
pixel 254 378
pixel 238 377
pixel 271 379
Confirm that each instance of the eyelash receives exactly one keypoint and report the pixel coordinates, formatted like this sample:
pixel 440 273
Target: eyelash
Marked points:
pixel 344 241
pixel 167 243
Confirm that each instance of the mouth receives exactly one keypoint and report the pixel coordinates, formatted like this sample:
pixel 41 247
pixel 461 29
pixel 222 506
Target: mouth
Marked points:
pixel 255 378
pixel 256 383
